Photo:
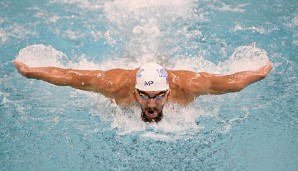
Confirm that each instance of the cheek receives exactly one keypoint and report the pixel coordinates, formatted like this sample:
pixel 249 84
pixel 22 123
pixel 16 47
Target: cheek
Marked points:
pixel 160 104
pixel 163 102
pixel 142 104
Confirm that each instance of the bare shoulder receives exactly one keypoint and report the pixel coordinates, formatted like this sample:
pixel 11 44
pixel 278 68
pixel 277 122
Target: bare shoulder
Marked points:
pixel 115 80
pixel 186 85
pixel 186 80
pixel 116 84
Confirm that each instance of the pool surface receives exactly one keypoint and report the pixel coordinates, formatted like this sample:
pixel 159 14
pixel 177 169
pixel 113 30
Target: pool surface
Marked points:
pixel 46 127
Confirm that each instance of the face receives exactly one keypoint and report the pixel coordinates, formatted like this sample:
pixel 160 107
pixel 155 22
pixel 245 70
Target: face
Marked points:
pixel 152 103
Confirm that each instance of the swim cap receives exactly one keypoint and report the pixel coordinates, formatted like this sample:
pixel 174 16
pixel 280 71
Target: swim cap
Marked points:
pixel 152 77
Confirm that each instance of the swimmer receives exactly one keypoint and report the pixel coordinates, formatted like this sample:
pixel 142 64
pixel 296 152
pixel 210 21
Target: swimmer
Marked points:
pixel 151 85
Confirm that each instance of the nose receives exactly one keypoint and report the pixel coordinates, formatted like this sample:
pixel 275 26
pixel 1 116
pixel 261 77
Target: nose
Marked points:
pixel 151 103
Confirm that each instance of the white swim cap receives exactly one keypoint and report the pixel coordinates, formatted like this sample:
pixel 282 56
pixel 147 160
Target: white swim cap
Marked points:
pixel 152 77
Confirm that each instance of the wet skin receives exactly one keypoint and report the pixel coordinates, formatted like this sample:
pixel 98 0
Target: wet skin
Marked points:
pixel 151 103
pixel 119 84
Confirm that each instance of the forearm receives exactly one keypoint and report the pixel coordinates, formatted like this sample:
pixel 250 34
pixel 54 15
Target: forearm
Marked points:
pixel 109 83
pixel 53 75
pixel 235 82
pixel 240 80
pixel 79 79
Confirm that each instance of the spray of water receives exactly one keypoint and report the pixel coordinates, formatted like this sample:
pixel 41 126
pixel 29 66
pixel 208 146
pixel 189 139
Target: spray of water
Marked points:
pixel 178 120
pixel 146 25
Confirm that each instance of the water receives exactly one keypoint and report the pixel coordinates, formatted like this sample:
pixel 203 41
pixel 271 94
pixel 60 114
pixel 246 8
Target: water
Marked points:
pixel 45 127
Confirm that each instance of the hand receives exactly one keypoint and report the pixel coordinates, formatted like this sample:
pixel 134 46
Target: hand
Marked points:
pixel 22 68
pixel 264 70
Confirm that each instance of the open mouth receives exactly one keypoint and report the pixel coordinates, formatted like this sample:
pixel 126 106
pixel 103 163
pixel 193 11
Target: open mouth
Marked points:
pixel 151 113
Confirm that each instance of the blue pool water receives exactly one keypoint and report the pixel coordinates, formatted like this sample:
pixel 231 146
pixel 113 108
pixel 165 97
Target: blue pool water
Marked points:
pixel 45 127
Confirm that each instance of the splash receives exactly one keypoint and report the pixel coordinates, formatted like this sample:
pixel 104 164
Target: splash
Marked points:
pixel 141 22
pixel 41 55
pixel 13 31
pixel 179 122
pixel 144 27
pixel 244 58
pixel 83 4
pixel 253 29
pixel 136 10
pixel 147 28
pixel 229 8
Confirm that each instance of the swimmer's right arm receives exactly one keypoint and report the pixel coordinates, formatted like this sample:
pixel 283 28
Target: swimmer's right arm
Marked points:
pixel 105 82
pixel 59 76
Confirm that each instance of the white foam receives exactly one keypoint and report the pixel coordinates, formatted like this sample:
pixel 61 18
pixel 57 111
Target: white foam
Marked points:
pixel 4 96
pixel 140 21
pixel 229 123
pixel 179 122
pixel 135 10
pixel 145 37
pixel 254 29
pixel 96 34
pixel 3 36
pixel 230 8
pixel 244 58
pixel 293 21
pixel 49 17
pixel 54 18
pixel 73 35
pixel 260 30
pixel 109 38
pixel 2 20
pixel 14 30
pixel 156 136
pixel 137 22
pixel 83 4
pixel 41 55
pixel 295 36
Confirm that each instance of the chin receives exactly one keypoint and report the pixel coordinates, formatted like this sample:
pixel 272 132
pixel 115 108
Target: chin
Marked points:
pixel 151 117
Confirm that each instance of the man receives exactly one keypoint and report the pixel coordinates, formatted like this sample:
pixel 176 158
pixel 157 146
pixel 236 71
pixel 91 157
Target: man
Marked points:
pixel 150 85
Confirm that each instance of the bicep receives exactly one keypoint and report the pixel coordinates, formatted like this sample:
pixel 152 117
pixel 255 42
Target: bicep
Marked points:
pixel 113 83
pixel 192 83
pixel 95 80
pixel 205 83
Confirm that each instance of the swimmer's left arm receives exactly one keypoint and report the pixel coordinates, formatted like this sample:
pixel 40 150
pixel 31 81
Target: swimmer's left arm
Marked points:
pixel 220 84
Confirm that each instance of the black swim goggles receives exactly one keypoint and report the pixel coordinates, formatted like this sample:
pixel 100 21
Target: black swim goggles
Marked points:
pixel 145 96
